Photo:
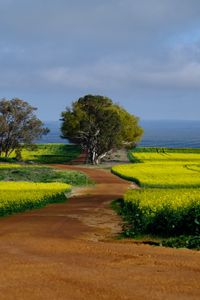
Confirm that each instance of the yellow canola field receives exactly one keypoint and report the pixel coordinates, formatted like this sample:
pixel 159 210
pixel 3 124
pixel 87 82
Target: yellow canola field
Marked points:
pixel 9 166
pixel 163 170
pixel 17 166
pixel 19 196
pixel 160 175
pixel 157 199
pixel 171 156
pixel 169 203
pixel 177 158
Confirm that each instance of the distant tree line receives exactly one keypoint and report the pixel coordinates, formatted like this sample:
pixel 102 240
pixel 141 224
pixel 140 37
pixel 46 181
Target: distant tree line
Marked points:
pixel 94 122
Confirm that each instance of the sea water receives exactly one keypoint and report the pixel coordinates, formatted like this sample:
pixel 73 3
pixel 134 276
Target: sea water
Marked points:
pixel 175 134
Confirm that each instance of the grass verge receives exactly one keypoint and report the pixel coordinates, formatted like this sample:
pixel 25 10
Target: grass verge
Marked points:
pixel 17 172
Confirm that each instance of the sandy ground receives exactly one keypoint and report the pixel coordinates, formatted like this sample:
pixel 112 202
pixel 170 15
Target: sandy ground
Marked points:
pixel 68 251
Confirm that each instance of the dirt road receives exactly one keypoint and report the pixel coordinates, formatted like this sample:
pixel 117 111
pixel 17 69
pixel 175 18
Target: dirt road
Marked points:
pixel 66 251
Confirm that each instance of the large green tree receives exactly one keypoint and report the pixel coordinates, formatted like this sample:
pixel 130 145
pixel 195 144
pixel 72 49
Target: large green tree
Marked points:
pixel 19 126
pixel 99 126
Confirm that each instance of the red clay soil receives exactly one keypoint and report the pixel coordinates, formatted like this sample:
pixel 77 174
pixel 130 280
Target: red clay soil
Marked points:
pixel 67 252
pixel 81 159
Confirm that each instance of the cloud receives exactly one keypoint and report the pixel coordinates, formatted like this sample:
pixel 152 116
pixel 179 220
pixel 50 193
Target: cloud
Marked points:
pixel 96 20
pixel 112 47
pixel 182 75
pixel 182 72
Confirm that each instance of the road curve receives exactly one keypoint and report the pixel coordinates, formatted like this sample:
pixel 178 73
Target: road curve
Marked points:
pixel 67 252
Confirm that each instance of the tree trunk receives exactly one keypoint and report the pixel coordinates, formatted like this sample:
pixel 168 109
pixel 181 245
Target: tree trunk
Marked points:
pixel 92 157
pixel 7 154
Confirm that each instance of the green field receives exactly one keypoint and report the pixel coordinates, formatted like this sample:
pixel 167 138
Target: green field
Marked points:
pixel 49 153
pixel 168 203
pixel 36 173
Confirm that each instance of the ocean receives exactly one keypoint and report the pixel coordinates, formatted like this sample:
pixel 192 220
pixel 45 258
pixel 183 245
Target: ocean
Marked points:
pixel 173 134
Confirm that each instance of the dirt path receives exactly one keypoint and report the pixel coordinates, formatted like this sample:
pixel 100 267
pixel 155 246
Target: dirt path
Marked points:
pixel 65 252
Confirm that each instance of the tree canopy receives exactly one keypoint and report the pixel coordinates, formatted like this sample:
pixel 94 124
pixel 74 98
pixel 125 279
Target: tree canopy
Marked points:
pixel 99 126
pixel 18 126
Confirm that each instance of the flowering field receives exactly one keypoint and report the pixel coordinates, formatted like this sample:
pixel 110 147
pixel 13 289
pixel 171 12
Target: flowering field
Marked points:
pixel 9 166
pixel 169 170
pixel 163 212
pixel 51 153
pixel 20 196
pixel 177 158
pixel 48 153
pixel 161 175
pixel 169 202
pixel 24 187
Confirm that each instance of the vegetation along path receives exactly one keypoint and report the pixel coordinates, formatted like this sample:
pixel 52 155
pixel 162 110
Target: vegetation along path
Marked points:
pixel 67 251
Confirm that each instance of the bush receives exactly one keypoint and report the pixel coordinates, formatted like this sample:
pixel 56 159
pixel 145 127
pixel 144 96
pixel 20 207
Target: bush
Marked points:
pixel 191 242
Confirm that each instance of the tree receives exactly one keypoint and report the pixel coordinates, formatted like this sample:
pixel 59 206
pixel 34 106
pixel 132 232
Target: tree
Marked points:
pixel 99 126
pixel 19 126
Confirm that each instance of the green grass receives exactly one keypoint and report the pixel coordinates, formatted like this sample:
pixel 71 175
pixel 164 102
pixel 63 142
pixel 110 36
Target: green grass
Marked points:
pixel 168 205
pixel 41 174
pixel 49 153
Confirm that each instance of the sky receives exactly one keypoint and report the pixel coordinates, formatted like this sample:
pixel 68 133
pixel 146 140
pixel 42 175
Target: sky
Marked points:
pixel 143 54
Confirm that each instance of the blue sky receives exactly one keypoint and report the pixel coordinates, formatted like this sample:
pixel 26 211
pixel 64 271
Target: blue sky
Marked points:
pixel 144 54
